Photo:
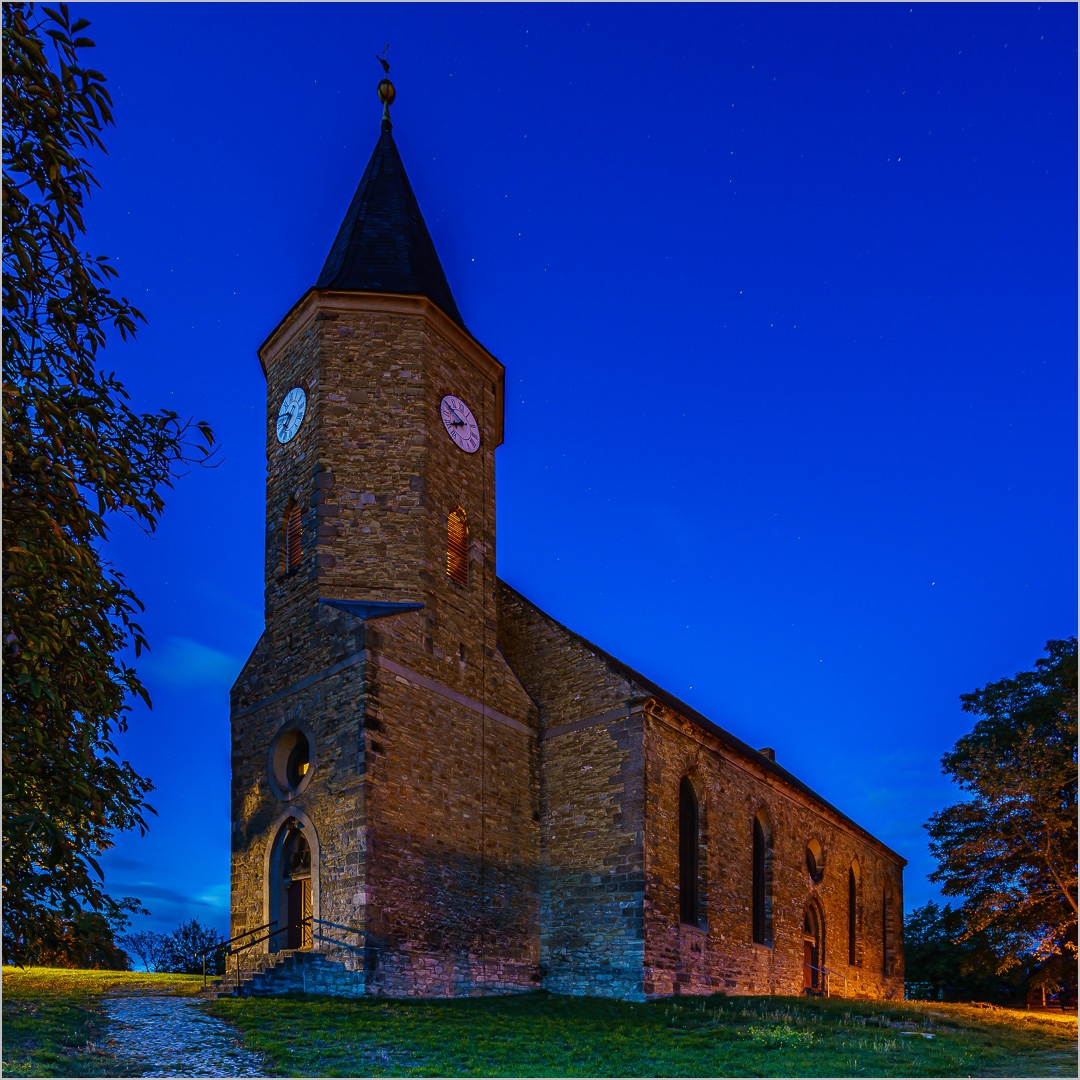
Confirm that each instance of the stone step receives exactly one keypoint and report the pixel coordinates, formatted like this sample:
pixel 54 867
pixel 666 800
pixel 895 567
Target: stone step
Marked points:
pixel 295 971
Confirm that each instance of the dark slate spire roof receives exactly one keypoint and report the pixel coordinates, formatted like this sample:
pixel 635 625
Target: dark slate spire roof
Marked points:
pixel 383 244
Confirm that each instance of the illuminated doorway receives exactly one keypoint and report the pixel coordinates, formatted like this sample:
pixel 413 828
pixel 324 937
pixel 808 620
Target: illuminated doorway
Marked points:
pixel 292 887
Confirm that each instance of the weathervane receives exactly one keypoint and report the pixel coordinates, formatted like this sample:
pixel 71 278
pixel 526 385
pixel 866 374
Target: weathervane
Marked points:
pixel 386 87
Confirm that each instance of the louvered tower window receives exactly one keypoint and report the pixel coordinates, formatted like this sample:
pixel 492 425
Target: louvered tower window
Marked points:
pixel 293 538
pixel 457 546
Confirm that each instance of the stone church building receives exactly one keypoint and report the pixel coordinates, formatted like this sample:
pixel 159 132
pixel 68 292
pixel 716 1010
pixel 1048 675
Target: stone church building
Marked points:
pixel 438 789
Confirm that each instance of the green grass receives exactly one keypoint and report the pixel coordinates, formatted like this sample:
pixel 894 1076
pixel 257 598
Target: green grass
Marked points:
pixel 53 1024
pixel 545 1035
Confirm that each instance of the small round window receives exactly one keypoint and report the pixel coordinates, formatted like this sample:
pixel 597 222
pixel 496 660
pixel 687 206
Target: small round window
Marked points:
pixel 299 761
pixel 815 861
pixel 292 760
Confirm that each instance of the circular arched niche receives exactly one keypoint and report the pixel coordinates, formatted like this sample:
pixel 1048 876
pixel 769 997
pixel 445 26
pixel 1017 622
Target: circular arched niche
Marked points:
pixel 291 761
pixel 815 861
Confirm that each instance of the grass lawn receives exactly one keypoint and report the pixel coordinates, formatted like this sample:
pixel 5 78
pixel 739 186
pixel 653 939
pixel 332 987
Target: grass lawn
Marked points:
pixel 53 1026
pixel 545 1035
pixel 52 1017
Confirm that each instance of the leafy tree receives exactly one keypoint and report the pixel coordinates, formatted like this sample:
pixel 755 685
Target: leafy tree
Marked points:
pixel 74 454
pixel 940 962
pixel 91 939
pixel 179 952
pixel 148 947
pixel 1009 849
pixel 183 948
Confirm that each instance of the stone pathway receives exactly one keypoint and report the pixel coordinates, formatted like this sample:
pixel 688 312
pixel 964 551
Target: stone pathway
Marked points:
pixel 172 1036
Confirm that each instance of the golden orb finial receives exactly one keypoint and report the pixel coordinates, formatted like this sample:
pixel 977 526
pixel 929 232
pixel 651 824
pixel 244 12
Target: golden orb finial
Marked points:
pixel 387 93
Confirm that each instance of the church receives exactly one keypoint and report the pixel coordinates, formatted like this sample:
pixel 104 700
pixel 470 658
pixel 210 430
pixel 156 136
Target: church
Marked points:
pixel 437 788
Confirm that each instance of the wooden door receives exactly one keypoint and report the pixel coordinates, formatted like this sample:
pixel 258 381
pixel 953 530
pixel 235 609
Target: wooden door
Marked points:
pixel 299 922
pixel 306 928
pixel 809 974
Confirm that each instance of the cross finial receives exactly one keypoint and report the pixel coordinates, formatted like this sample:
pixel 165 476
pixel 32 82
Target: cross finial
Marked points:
pixel 386 87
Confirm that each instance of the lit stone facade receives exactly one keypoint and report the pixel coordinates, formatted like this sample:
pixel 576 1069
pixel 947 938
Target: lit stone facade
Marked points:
pixel 485 802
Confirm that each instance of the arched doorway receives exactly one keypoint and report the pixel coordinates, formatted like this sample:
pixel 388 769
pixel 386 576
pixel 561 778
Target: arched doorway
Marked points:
pixel 813 949
pixel 296 883
pixel 292 884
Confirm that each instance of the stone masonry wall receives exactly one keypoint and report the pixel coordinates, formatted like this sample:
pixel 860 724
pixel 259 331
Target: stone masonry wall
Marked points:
pixel 332 801
pixel 591 803
pixel 452 845
pixel 425 789
pixel 721 955
pixel 494 801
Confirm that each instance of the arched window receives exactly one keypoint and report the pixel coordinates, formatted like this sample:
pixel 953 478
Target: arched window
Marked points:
pixel 293 538
pixel 813 949
pixel 761 899
pixel 854 913
pixel 689 834
pixel 888 933
pixel 457 546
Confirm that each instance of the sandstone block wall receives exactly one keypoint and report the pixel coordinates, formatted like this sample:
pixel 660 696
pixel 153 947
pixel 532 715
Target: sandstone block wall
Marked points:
pixel 612 758
pixel 333 800
pixel 452 843
pixel 425 785
pixel 493 800
pixel 721 955
pixel 591 925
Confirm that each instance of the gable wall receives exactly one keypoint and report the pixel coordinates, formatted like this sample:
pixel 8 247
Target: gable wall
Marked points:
pixel 591 886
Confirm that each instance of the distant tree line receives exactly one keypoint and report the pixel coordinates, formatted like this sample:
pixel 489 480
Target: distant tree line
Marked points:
pixel 90 940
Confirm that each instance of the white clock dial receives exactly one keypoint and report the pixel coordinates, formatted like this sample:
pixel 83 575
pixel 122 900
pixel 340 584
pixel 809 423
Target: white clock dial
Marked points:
pixel 291 414
pixel 460 423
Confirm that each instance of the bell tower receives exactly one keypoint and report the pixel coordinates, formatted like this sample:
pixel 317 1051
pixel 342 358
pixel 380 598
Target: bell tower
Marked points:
pixel 419 799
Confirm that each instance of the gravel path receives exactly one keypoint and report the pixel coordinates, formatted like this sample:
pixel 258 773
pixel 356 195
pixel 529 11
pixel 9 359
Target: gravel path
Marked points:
pixel 172 1036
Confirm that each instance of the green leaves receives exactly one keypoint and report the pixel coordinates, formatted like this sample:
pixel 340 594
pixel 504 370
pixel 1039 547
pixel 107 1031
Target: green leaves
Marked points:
pixel 74 454
pixel 1010 849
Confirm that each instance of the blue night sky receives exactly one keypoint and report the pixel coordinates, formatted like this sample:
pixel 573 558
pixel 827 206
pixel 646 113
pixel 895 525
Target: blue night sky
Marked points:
pixel 787 299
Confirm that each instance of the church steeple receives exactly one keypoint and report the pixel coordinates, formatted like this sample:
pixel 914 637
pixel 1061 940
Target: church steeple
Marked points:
pixel 383 244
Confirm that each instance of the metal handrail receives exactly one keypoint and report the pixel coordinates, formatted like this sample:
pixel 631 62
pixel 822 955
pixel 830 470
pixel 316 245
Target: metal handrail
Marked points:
pixel 274 933
pixel 827 972
pixel 259 941
pixel 225 944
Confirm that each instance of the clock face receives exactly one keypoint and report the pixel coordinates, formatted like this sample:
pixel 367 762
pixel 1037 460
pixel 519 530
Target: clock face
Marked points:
pixel 291 414
pixel 460 423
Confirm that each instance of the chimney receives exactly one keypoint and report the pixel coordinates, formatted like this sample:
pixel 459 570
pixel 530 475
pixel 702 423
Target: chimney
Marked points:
pixel 769 752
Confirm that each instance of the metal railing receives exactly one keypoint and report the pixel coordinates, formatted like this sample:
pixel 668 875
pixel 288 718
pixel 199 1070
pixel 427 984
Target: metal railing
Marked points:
pixel 299 924
pixel 827 972
pixel 234 950
pixel 227 946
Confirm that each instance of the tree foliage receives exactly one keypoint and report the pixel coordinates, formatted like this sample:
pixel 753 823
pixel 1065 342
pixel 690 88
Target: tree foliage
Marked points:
pixel 179 952
pixel 942 962
pixel 90 939
pixel 74 455
pixel 1009 849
